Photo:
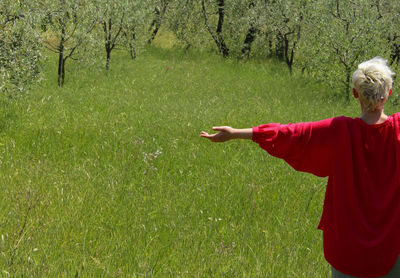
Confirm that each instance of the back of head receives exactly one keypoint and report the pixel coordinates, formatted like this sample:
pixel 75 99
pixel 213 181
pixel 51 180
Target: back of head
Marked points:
pixel 373 81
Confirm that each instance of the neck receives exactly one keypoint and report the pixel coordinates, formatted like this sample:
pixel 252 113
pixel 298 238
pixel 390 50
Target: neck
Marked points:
pixel 373 117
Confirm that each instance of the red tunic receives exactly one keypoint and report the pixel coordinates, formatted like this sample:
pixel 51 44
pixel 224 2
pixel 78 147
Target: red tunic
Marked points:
pixel 361 215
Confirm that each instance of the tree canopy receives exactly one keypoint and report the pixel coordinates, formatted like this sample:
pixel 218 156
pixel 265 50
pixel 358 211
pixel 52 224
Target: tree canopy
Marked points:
pixel 326 39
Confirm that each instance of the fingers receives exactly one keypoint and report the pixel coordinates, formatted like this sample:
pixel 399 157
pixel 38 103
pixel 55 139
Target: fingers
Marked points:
pixel 211 137
pixel 221 136
pixel 220 128
pixel 204 134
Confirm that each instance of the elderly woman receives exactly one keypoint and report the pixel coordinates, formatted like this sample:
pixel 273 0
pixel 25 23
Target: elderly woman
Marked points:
pixel 361 157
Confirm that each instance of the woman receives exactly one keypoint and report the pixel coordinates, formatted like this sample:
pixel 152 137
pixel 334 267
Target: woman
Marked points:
pixel 361 157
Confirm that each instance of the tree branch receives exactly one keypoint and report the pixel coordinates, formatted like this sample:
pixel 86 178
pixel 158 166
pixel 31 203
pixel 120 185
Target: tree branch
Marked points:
pixel 206 22
pixel 50 47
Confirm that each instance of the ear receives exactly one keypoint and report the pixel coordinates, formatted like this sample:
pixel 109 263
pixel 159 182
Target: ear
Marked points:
pixel 390 91
pixel 355 93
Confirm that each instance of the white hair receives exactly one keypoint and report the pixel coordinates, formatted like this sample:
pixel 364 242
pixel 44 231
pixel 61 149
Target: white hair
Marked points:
pixel 373 81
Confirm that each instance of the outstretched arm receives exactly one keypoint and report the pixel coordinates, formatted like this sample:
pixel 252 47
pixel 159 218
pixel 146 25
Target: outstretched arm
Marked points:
pixel 227 133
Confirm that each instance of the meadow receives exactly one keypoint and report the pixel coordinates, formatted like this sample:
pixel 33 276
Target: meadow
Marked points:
pixel 108 176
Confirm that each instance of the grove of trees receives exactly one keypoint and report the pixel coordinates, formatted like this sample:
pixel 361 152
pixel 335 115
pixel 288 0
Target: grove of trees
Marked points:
pixel 322 38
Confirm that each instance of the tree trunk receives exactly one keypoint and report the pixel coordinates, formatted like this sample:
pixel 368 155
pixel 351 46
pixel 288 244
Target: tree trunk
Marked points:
pixel 394 53
pixel 156 23
pixel 221 42
pixel 223 48
pixel 217 36
pixel 347 84
pixel 290 48
pixel 108 50
pixel 61 60
pixel 250 37
pixel 279 47
pixel 63 72
pixel 60 67
pixel 269 43
pixel 288 59
pixel 132 49
pixel 154 34
pixel 107 43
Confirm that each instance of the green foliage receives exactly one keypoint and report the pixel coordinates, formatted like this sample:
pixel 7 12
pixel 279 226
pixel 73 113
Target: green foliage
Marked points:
pixel 286 20
pixel 184 19
pixel 122 23
pixel 20 46
pixel 326 39
pixel 70 23
pixel 136 25
pixel 239 15
pixel 341 34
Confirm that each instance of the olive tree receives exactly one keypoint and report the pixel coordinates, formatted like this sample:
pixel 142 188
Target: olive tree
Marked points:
pixel 113 15
pixel 123 23
pixel 20 45
pixel 389 14
pixel 184 19
pixel 70 24
pixel 340 35
pixel 215 32
pixel 252 30
pixel 286 20
pixel 231 26
pixel 136 25
pixel 160 8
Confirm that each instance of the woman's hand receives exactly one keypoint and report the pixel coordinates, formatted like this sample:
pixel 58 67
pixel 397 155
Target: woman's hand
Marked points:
pixel 225 133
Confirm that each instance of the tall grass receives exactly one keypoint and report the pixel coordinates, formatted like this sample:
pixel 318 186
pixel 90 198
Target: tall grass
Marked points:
pixel 108 176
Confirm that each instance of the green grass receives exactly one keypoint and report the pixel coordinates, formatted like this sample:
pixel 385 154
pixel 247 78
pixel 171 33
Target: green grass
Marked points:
pixel 108 176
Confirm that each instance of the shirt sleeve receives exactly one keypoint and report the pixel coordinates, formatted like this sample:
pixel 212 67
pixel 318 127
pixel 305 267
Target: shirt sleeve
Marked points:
pixel 307 147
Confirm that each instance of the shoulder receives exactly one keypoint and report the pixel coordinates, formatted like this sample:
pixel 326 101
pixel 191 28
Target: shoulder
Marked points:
pixel 332 122
pixel 396 119
pixel 343 119
pixel 396 115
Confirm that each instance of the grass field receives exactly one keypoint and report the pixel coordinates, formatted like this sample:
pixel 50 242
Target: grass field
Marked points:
pixel 109 177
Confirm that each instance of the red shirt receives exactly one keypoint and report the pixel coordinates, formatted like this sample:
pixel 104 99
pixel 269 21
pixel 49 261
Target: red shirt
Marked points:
pixel 361 215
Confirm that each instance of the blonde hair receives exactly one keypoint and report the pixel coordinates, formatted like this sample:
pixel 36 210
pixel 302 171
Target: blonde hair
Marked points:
pixel 373 81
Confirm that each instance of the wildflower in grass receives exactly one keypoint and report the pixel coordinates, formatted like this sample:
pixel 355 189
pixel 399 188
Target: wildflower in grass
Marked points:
pixel 151 156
